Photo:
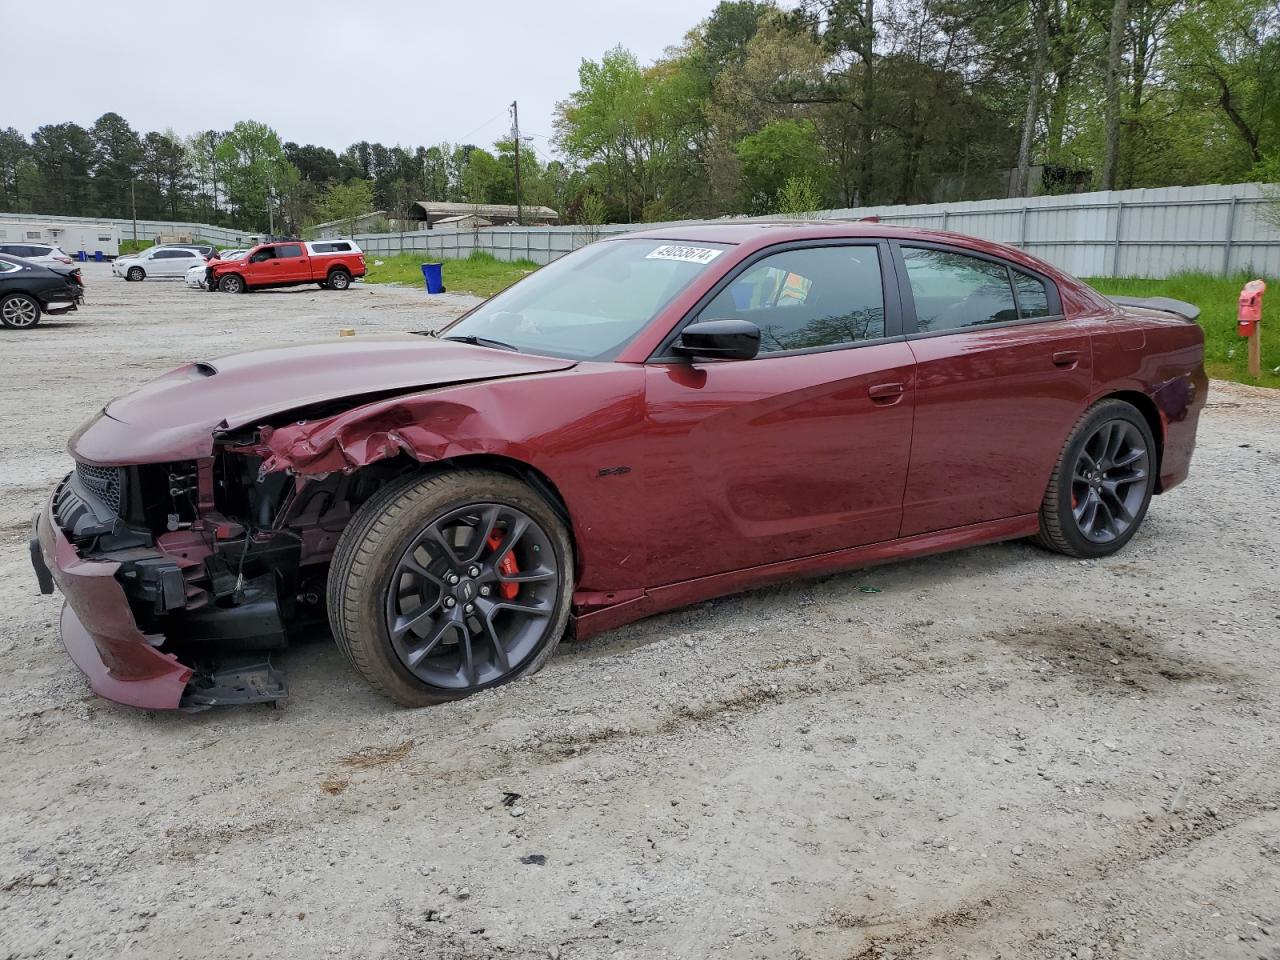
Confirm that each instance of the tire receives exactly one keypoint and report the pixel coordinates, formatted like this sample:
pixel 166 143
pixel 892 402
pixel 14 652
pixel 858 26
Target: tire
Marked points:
pixel 135 274
pixel 373 585
pixel 232 283
pixel 18 311
pixel 339 280
pixel 1102 483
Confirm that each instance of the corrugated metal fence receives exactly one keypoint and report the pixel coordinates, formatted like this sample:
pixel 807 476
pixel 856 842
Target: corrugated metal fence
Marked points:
pixel 1214 228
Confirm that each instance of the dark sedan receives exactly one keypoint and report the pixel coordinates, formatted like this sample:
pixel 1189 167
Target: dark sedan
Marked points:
pixel 652 421
pixel 28 290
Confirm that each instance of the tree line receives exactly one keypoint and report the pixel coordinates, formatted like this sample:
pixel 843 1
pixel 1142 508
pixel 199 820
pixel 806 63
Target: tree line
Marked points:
pixel 760 109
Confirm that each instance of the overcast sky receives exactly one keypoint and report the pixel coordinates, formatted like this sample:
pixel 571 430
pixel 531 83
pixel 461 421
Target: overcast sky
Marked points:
pixel 323 71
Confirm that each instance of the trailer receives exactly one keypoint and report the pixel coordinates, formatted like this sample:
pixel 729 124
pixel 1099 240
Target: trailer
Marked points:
pixel 71 235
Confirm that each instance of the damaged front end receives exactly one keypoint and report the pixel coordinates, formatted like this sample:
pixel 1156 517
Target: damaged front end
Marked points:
pixel 182 578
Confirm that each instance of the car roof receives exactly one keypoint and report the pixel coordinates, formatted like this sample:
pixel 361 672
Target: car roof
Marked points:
pixel 753 234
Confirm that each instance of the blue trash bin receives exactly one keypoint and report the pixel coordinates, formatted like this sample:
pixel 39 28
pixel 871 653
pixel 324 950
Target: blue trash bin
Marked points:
pixel 97 256
pixel 433 276
pixel 82 256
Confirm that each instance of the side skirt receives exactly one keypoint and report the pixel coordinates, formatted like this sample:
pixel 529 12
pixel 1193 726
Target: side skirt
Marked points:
pixel 683 593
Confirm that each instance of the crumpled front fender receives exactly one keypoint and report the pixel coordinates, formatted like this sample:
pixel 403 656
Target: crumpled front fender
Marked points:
pixel 426 428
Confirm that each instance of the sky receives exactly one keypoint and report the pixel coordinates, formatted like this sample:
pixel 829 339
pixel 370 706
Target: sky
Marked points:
pixel 323 71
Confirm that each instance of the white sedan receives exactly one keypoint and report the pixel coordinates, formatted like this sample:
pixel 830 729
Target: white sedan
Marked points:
pixel 157 262
pixel 195 276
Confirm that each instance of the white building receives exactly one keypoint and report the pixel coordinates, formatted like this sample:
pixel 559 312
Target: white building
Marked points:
pixel 71 235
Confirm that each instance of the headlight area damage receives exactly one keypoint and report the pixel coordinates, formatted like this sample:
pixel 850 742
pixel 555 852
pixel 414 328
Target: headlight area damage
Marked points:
pixel 182 577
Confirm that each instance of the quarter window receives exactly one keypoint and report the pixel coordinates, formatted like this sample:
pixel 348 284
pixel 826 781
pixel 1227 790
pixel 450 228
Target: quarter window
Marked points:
pixel 1033 295
pixel 813 297
pixel 953 291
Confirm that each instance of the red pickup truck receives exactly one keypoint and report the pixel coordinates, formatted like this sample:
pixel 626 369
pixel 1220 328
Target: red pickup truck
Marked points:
pixel 332 264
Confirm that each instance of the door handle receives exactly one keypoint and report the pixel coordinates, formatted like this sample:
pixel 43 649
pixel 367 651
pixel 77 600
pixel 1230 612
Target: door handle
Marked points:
pixel 1066 358
pixel 886 394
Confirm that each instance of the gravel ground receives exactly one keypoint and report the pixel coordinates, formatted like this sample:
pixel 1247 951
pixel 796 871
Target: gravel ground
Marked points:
pixel 994 753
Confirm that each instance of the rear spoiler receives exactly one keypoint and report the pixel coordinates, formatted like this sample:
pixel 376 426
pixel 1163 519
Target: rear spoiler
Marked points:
pixel 1179 308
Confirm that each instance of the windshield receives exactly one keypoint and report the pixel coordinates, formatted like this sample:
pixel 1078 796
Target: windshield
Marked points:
pixel 589 303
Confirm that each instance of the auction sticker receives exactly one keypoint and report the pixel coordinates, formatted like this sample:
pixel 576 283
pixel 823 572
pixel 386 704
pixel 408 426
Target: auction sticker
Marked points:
pixel 673 251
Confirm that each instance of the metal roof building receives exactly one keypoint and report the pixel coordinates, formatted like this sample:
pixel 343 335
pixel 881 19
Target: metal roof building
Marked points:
pixel 431 212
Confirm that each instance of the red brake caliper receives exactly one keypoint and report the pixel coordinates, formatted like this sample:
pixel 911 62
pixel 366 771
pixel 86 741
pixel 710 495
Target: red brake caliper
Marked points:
pixel 508 567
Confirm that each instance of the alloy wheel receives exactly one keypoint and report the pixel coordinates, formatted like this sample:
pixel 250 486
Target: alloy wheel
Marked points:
pixel 1109 483
pixel 472 597
pixel 20 312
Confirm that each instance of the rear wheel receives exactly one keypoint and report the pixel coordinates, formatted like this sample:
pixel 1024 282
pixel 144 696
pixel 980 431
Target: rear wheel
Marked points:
pixel 1102 483
pixel 135 274
pixel 231 283
pixel 339 280
pixel 19 311
pixel 445 585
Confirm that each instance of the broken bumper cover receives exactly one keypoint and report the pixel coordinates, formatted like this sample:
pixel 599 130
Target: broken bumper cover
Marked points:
pixel 98 627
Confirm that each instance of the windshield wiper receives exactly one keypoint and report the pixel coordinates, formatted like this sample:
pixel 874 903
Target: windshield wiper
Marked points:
pixel 483 342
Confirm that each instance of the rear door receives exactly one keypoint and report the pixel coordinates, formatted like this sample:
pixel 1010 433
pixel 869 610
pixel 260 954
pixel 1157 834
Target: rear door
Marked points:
pixel 178 261
pixel 1001 377
pixel 802 450
pixel 293 263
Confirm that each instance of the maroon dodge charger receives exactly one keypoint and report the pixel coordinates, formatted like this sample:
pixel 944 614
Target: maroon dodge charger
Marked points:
pixel 648 422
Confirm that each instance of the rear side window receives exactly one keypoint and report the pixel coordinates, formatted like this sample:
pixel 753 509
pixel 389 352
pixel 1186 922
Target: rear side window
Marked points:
pixel 7 267
pixel 334 247
pixel 801 299
pixel 289 250
pixel 953 291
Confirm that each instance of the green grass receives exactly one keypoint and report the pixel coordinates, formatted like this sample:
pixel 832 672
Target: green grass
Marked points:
pixel 133 246
pixel 480 274
pixel 1226 354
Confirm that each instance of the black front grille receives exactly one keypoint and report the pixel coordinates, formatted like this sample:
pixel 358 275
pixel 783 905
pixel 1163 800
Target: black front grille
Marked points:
pixel 105 483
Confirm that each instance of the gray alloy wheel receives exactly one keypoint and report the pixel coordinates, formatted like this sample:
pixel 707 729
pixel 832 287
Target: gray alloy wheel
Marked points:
pixel 135 274
pixel 231 284
pixel 447 584
pixel 339 280
pixel 1109 484
pixel 19 311
pixel 1101 486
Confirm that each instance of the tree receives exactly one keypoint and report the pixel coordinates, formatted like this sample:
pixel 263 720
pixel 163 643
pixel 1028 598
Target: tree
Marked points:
pixel 14 151
pixel 63 155
pixel 117 152
pixel 347 201
pixel 166 170
pixel 780 152
pixel 1115 50
pixel 799 195
pixel 254 168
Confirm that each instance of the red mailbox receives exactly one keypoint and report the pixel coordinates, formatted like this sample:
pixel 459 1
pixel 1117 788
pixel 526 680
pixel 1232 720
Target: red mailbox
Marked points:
pixel 1250 312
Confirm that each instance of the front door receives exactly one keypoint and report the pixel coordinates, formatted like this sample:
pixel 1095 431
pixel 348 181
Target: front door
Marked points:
pixel 1001 378
pixel 800 451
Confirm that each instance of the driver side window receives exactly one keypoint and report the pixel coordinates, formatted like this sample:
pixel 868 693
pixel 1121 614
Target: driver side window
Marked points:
pixel 815 297
pixel 266 253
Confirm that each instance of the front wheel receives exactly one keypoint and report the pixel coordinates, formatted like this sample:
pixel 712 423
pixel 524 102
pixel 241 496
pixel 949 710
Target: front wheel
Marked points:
pixel 19 311
pixel 231 284
pixel 1102 483
pixel 135 274
pixel 445 585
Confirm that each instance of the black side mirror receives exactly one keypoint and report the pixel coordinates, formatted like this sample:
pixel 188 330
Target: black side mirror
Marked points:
pixel 720 340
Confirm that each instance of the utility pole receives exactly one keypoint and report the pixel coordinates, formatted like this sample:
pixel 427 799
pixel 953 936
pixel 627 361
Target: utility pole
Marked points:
pixel 515 136
pixel 133 204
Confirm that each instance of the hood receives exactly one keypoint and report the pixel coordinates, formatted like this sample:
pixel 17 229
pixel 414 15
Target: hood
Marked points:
pixel 174 416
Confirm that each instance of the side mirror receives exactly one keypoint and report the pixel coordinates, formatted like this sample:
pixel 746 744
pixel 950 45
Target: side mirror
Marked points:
pixel 720 340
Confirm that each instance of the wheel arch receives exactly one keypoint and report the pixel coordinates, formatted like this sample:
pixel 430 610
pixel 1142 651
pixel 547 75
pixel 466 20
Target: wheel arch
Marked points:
pixel 1151 413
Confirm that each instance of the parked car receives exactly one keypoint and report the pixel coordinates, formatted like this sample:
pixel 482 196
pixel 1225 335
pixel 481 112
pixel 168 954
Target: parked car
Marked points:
pixel 29 289
pixel 45 253
pixel 206 250
pixel 651 421
pixel 332 264
pixel 196 273
pixel 157 262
